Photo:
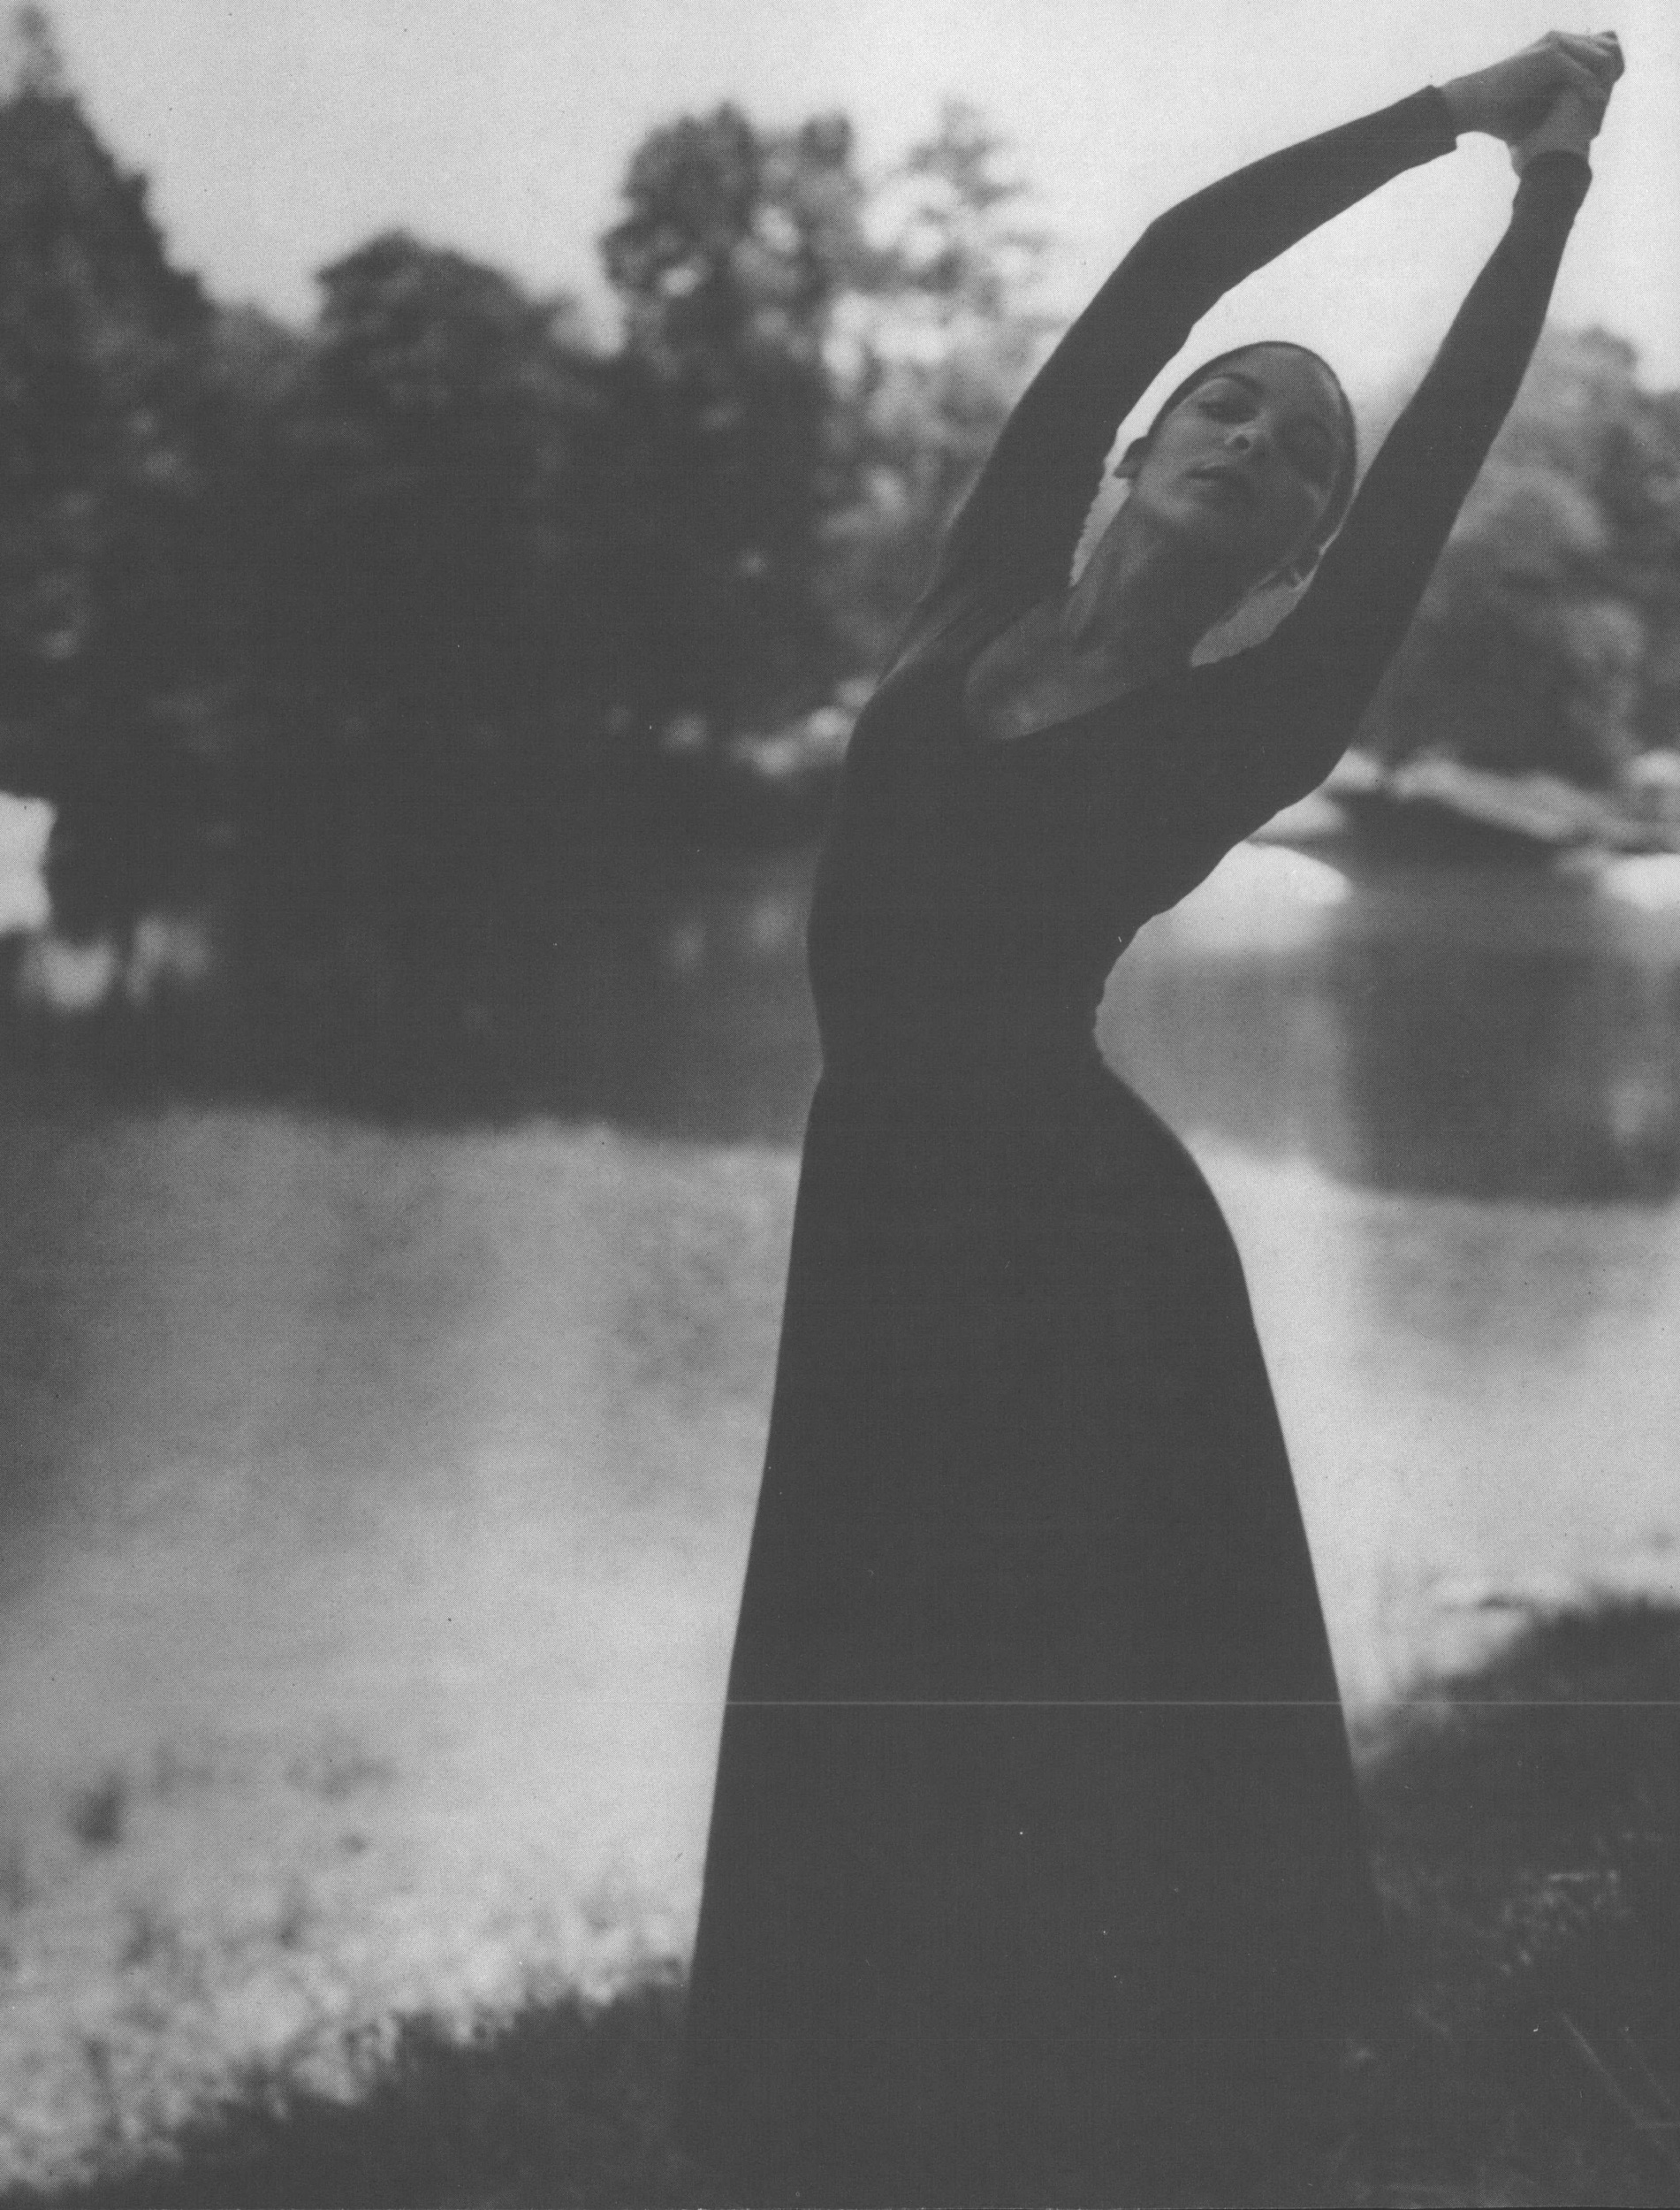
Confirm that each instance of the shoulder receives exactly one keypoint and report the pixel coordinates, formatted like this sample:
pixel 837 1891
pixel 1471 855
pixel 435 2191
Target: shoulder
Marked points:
pixel 917 687
pixel 1002 679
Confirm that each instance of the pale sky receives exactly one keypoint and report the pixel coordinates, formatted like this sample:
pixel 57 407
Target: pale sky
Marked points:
pixel 278 133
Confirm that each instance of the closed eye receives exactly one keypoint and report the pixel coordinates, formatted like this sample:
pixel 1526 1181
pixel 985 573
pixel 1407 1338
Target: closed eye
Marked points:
pixel 1306 442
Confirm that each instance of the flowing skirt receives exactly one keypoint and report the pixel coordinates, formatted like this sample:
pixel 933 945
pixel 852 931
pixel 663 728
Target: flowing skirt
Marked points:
pixel 1034 1849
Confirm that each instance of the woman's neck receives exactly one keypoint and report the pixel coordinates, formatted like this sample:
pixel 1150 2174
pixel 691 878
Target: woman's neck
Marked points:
pixel 1137 609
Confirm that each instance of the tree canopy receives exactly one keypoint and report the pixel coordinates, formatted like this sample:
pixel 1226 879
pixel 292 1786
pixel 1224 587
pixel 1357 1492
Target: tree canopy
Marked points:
pixel 1549 636
pixel 437 572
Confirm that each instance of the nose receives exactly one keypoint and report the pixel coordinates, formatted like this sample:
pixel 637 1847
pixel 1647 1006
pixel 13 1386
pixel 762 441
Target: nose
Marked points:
pixel 1247 437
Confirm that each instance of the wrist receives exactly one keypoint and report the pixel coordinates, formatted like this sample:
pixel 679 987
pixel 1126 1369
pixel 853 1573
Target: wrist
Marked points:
pixel 1570 126
pixel 1462 104
pixel 1570 162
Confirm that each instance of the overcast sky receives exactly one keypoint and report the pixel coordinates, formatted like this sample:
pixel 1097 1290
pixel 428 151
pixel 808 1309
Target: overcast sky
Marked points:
pixel 278 133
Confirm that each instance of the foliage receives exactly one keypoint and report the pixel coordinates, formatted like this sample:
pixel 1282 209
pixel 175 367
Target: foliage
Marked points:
pixel 399 606
pixel 413 509
pixel 940 342
pixel 828 361
pixel 437 448
pixel 102 563
pixel 1549 636
pixel 732 249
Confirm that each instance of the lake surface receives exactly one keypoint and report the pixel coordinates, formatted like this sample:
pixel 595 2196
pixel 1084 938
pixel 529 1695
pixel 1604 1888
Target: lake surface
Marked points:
pixel 376 1496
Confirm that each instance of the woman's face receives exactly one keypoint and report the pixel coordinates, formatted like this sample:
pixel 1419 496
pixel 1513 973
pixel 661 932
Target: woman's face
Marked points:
pixel 1246 462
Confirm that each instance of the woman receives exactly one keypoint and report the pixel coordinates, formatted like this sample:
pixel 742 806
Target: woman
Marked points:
pixel 1035 1873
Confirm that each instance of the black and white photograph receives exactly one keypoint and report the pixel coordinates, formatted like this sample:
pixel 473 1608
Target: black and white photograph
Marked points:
pixel 840 1104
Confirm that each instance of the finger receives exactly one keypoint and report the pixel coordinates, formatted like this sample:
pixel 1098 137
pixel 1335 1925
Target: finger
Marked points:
pixel 1573 112
pixel 1601 53
pixel 1578 46
pixel 1591 105
pixel 1583 82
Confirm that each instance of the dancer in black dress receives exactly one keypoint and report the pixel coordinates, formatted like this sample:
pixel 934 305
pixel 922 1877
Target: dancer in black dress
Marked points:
pixel 1035 1871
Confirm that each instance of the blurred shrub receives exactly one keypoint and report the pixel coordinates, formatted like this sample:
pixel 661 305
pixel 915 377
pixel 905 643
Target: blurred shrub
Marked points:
pixel 1549 636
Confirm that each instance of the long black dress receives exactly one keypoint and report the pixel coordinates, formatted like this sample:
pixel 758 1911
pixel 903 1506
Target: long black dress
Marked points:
pixel 1035 1857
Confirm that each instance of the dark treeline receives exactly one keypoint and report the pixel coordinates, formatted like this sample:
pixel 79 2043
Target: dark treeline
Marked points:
pixel 1549 637
pixel 389 620
pixel 396 611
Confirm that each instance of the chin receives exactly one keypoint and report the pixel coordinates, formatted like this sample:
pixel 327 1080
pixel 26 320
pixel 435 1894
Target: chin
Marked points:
pixel 1217 541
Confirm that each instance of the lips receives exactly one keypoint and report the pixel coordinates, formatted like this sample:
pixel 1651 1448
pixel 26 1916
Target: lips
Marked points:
pixel 1229 479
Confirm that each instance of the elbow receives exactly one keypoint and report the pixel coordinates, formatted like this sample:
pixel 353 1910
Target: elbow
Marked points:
pixel 1170 258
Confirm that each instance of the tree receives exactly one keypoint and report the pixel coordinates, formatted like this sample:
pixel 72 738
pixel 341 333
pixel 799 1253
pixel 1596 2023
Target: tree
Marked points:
pixel 1549 636
pixel 34 65
pixel 939 337
pixel 425 642
pixel 443 535
pixel 735 247
pixel 101 393
pixel 1584 415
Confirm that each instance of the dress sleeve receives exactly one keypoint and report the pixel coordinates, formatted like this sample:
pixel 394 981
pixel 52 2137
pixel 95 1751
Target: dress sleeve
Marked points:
pixel 1310 682
pixel 1013 540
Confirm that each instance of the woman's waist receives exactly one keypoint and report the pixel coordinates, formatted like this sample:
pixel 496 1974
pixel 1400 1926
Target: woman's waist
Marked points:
pixel 898 1039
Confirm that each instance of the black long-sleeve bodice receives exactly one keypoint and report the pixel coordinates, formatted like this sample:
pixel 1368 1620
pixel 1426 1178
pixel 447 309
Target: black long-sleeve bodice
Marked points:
pixel 974 894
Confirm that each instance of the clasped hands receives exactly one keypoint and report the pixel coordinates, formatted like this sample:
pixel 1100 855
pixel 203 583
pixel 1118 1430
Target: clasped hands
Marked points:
pixel 1548 98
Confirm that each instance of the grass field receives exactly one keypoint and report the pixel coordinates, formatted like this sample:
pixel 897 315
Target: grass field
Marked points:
pixel 1525 1822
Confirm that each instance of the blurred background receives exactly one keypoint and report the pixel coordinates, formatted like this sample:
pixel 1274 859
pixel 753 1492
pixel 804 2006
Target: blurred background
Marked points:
pixel 462 468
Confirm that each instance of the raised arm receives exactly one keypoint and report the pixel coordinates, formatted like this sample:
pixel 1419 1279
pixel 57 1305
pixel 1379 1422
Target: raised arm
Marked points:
pixel 1323 664
pixel 1329 655
pixel 1013 540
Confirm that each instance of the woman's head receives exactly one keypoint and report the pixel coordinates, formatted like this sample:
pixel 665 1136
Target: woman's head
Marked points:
pixel 1253 455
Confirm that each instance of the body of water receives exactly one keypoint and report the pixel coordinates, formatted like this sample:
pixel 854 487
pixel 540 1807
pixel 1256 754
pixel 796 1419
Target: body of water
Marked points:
pixel 376 1496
